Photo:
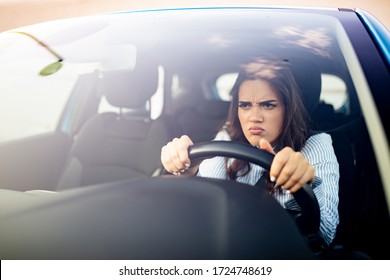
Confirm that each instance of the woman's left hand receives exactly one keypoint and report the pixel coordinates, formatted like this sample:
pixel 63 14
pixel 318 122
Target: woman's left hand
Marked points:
pixel 289 169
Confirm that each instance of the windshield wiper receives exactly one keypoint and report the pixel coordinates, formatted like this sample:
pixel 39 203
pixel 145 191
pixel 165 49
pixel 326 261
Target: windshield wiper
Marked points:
pixel 52 67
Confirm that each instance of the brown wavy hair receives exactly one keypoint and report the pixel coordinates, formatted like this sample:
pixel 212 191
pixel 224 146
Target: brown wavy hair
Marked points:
pixel 294 129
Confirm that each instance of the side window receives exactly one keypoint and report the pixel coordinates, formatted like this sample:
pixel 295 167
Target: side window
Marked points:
pixel 224 84
pixel 334 92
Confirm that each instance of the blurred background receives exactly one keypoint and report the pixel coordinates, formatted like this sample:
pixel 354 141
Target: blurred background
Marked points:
pixel 17 13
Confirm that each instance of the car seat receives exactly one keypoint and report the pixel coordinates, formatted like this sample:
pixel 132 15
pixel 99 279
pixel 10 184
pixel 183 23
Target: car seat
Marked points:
pixel 116 146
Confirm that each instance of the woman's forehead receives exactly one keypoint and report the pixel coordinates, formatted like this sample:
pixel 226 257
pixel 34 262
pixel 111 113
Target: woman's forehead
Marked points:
pixel 257 90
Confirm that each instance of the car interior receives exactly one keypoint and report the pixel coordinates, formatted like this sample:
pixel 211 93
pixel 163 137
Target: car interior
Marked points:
pixel 124 146
pixel 111 146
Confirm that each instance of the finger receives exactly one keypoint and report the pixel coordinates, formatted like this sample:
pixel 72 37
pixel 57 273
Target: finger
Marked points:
pixel 289 172
pixel 279 161
pixel 307 177
pixel 294 170
pixel 174 154
pixel 166 157
pixel 265 145
pixel 182 148
pixel 293 175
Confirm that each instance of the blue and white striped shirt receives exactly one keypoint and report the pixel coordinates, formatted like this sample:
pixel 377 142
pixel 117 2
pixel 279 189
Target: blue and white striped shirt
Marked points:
pixel 318 150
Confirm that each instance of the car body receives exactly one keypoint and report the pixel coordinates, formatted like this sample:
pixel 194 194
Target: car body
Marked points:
pixel 84 117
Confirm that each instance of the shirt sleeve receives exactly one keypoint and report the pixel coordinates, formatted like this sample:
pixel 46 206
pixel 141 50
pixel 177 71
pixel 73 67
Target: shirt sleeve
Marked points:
pixel 319 151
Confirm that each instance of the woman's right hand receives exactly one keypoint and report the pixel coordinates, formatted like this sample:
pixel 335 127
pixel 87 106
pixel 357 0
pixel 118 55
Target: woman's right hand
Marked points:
pixel 174 156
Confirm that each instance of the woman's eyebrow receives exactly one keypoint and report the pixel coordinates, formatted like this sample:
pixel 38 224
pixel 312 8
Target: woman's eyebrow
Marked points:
pixel 268 101
pixel 261 102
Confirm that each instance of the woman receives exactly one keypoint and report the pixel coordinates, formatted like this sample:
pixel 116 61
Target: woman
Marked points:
pixel 267 112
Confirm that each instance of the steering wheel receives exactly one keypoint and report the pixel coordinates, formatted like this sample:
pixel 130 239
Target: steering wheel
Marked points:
pixel 308 219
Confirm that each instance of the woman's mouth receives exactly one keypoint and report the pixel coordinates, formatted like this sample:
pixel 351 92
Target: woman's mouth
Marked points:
pixel 256 130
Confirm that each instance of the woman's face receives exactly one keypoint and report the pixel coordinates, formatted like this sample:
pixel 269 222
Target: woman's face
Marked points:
pixel 260 111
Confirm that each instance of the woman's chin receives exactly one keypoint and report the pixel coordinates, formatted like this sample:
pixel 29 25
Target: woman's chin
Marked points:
pixel 254 140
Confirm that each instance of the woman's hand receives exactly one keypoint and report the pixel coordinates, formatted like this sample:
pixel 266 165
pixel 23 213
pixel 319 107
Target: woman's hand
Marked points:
pixel 289 169
pixel 174 156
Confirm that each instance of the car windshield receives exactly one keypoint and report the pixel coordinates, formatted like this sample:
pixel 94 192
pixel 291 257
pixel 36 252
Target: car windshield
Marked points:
pixel 37 104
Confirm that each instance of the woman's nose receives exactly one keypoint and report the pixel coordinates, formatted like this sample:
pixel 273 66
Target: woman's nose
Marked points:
pixel 256 114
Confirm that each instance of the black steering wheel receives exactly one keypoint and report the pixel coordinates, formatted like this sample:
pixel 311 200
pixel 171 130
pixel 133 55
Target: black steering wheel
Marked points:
pixel 308 219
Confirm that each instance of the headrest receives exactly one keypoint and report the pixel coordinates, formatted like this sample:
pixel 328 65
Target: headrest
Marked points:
pixel 131 88
pixel 308 78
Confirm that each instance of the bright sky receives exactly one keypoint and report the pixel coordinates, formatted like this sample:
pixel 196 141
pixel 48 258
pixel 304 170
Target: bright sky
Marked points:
pixel 16 13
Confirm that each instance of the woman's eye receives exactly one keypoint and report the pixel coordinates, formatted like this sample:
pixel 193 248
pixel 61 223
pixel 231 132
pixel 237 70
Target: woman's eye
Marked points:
pixel 267 105
pixel 244 105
